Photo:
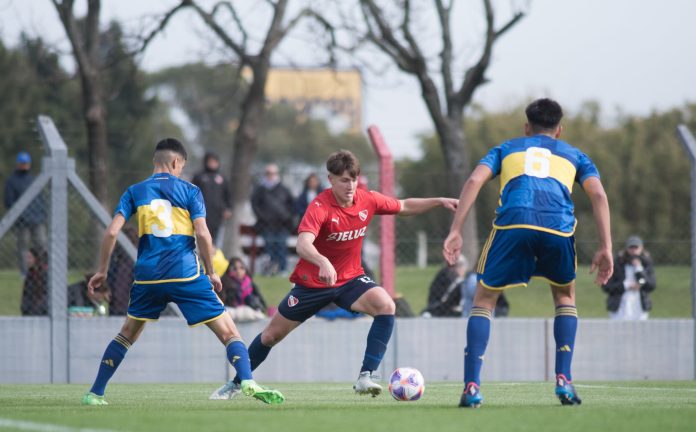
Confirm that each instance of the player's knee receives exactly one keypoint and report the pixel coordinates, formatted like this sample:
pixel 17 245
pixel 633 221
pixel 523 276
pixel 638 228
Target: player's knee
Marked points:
pixel 269 338
pixel 387 307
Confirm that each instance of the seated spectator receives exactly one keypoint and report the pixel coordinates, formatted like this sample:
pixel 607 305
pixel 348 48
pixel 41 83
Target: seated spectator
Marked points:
pixel 402 306
pixel 444 295
pixel 35 292
pixel 468 290
pixel 83 303
pixel 631 283
pixel 241 296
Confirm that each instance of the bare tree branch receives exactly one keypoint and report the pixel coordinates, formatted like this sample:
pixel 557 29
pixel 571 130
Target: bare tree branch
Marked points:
pixel 276 32
pixel 163 21
pixel 235 16
pixel 474 76
pixel 443 13
pixel 92 28
pixel 65 12
pixel 208 18
pixel 385 40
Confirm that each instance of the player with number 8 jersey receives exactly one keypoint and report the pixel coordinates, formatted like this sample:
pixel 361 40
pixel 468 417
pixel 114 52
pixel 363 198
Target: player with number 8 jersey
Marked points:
pixel 171 222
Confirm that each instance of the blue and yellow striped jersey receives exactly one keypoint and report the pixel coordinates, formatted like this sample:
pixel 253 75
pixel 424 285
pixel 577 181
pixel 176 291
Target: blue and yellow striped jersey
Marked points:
pixel 536 179
pixel 166 207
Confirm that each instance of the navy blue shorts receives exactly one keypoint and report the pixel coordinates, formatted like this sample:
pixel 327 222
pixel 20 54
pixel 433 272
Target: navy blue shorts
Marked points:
pixel 511 257
pixel 302 303
pixel 196 299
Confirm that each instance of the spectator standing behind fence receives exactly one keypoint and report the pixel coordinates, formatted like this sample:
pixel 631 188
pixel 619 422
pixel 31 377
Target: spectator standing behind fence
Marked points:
pixel 241 296
pixel 35 292
pixel 312 187
pixel 213 185
pixel 631 284
pixel 274 207
pixel 31 224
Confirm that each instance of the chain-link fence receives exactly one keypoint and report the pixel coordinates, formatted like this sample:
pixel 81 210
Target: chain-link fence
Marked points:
pixel 268 247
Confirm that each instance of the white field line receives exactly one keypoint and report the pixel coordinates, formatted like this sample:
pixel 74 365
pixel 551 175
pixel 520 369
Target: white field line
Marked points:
pixel 42 427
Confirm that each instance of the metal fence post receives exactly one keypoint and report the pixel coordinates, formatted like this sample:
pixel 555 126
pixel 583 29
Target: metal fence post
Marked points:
pixel 690 145
pixel 57 167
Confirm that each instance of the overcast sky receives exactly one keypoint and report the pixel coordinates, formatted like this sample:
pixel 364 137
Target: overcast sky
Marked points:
pixel 631 56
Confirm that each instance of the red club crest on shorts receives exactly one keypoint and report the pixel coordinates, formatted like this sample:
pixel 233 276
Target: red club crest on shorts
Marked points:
pixel 363 215
pixel 292 301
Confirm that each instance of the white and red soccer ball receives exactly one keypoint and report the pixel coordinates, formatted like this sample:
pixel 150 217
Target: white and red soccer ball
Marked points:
pixel 406 384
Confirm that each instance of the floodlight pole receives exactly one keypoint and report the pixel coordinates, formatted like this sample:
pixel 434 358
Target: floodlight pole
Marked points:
pixel 690 145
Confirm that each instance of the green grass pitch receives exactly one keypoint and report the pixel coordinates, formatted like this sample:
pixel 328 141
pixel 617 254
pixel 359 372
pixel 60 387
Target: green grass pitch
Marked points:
pixel 333 407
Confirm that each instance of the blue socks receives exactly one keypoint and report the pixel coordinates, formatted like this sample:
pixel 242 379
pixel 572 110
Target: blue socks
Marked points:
pixel 113 355
pixel 239 358
pixel 257 354
pixel 565 326
pixel 377 340
pixel 478 330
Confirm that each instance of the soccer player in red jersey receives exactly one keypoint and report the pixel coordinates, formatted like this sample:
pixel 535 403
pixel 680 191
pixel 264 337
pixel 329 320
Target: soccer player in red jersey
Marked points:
pixel 329 245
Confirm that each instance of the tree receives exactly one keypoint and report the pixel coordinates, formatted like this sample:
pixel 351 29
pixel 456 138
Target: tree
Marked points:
pixel 392 33
pixel 85 40
pixel 237 40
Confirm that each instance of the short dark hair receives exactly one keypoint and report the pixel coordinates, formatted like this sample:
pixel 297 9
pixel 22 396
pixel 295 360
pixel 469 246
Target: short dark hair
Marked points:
pixel 172 144
pixel 342 161
pixel 544 114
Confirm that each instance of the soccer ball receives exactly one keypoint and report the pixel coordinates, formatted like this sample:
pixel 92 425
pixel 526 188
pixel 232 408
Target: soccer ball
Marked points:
pixel 406 384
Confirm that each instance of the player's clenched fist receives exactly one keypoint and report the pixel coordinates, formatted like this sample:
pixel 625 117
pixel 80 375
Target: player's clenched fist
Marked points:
pixel 327 273
pixel 452 247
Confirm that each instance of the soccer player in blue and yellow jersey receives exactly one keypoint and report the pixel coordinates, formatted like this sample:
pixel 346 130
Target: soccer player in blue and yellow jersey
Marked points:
pixel 171 221
pixel 532 236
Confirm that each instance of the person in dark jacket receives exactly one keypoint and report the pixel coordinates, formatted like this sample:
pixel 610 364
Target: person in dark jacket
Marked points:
pixel 216 193
pixel 35 292
pixel 274 207
pixel 32 223
pixel 633 280
pixel 312 187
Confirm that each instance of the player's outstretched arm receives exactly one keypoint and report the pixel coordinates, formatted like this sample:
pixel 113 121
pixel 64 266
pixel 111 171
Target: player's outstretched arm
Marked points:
pixel 205 247
pixel 453 243
pixel 107 247
pixel 603 261
pixel 414 206
pixel 307 251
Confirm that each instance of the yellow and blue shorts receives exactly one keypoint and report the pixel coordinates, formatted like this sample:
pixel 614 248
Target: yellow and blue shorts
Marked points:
pixel 196 299
pixel 511 257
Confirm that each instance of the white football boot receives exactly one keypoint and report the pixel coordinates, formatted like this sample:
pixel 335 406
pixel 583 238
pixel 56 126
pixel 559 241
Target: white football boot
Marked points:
pixel 365 385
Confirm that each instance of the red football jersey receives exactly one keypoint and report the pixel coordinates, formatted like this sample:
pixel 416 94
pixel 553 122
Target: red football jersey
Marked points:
pixel 339 234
